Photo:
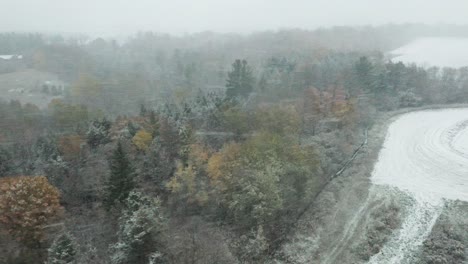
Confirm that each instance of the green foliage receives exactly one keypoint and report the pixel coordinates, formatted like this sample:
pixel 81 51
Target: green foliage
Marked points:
pixel 284 121
pixel 252 246
pixel 256 178
pixel 87 90
pixel 62 250
pixel 157 166
pixel 132 128
pixel 68 115
pixel 237 120
pixel 5 162
pixel 240 80
pixel 121 180
pixel 140 231
pixel 364 71
pixel 190 184
pixel 254 196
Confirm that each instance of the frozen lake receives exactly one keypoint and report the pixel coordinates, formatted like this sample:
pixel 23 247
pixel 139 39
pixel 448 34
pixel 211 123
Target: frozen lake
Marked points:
pixel 442 52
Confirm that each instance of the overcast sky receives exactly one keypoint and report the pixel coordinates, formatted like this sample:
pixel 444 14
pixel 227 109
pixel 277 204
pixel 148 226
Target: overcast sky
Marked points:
pixel 187 16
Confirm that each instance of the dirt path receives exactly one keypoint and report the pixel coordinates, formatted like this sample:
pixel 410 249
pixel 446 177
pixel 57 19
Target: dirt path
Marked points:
pixel 424 159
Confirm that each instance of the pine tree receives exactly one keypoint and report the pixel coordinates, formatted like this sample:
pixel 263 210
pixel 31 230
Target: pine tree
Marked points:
pixel 141 227
pixel 143 110
pixel 240 80
pixel 62 250
pixel 364 71
pixel 98 133
pixel 5 162
pixel 121 180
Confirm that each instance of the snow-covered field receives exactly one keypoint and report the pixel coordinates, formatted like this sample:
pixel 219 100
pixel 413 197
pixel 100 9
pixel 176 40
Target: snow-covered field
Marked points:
pixel 426 155
pixel 442 52
pixel 25 86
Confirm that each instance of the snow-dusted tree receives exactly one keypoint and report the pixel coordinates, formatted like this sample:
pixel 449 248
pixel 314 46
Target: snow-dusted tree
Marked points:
pixel 141 227
pixel 62 250
pixel 252 246
pixel 121 181
pixel 240 80
pixel 98 133
pixel 88 254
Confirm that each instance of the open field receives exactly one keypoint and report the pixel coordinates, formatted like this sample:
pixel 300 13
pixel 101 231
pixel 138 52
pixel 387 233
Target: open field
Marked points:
pixel 26 86
pixel 442 52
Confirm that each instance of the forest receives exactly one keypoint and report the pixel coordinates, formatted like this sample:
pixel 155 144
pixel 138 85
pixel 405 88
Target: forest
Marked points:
pixel 203 148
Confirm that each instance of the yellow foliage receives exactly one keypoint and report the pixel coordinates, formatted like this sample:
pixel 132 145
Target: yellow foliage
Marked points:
pixel 142 140
pixel 222 164
pixel 189 182
pixel 198 155
pixel 183 176
pixel 186 184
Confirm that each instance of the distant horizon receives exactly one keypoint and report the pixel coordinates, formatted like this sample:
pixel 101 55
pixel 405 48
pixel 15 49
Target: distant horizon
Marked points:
pixel 179 17
pixel 111 35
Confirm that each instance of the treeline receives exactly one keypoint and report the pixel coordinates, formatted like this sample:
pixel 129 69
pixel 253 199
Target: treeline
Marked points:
pixel 161 67
pixel 244 187
pixel 165 152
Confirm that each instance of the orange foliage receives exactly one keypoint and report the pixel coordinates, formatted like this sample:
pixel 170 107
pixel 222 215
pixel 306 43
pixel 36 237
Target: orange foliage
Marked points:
pixel 338 101
pixel 27 204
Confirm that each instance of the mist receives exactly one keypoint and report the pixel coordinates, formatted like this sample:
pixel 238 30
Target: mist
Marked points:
pixel 111 17
pixel 233 131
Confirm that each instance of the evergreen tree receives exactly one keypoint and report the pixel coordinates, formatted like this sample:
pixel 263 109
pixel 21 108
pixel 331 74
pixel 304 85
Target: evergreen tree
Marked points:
pixel 98 133
pixel 62 250
pixel 5 162
pixel 141 227
pixel 364 71
pixel 132 128
pixel 121 180
pixel 143 110
pixel 240 80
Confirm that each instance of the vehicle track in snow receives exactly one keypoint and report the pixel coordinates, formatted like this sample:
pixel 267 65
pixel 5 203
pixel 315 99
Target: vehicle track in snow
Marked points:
pixel 425 154
pixel 361 217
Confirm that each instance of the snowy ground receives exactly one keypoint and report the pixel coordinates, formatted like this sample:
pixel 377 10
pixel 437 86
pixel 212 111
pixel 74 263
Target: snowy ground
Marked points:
pixel 25 86
pixel 442 52
pixel 425 155
pixel 418 162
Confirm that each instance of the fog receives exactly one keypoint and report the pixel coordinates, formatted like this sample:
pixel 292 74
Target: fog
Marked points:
pixel 188 16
